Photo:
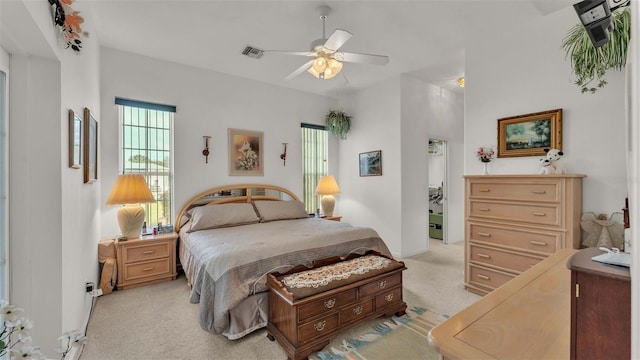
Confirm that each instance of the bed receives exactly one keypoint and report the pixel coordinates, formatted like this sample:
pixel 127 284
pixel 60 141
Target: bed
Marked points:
pixel 231 236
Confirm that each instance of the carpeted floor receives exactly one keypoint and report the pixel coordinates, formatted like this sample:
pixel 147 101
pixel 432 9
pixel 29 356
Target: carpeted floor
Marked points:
pixel 158 322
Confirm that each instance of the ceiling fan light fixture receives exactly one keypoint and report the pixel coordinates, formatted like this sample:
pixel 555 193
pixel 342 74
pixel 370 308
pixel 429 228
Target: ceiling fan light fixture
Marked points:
pixel 320 64
pixel 325 68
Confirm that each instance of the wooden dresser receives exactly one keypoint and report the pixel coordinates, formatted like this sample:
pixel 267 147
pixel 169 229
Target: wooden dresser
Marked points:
pixel 600 308
pixel 305 323
pixel 147 260
pixel 512 222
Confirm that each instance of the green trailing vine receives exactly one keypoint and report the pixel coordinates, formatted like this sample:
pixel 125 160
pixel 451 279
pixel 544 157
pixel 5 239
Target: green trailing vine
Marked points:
pixel 338 123
pixel 590 64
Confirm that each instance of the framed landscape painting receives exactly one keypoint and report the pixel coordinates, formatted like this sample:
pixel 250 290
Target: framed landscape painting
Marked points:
pixel 245 152
pixel 371 163
pixel 530 134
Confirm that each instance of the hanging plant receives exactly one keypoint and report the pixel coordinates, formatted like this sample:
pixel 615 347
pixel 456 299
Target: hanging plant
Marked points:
pixel 589 63
pixel 338 123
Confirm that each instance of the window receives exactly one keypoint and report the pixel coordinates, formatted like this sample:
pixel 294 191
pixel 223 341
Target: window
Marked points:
pixel 146 136
pixel 314 163
pixel 4 186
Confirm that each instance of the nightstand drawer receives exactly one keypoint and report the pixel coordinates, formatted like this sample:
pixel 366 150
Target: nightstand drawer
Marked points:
pixel 147 269
pixel 146 252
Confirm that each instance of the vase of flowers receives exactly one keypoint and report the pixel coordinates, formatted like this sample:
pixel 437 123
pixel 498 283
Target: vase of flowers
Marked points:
pixel 485 154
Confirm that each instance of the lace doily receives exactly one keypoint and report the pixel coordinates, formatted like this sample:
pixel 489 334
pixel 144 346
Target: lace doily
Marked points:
pixel 322 276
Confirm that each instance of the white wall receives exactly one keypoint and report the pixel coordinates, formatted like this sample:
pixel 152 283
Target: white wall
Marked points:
pixel 524 70
pixel 52 243
pixel 208 103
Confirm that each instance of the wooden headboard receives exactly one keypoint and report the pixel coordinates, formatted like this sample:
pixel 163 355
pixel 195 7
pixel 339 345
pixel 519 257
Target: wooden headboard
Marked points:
pixel 237 193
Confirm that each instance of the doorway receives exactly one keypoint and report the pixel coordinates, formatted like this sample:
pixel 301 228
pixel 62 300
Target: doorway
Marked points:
pixel 437 167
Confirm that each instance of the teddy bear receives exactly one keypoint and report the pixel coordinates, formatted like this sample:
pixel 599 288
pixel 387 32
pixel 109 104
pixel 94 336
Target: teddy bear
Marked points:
pixel 555 156
pixel 546 168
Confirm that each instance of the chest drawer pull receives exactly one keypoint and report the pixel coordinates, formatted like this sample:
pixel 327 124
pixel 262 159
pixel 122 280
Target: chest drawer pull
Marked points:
pixel 319 326
pixel 389 297
pixel 484 190
pixel 148 269
pixel 484 234
pixel 358 310
pixel 539 243
pixel 148 252
pixel 484 277
pixel 330 303
pixel 484 256
pixel 382 284
pixel 538 192
pixel 483 209
pixel 538 214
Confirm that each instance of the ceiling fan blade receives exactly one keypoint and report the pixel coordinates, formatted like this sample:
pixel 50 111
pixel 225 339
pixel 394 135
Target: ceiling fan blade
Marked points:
pixel 299 70
pixel 297 53
pixel 361 58
pixel 337 39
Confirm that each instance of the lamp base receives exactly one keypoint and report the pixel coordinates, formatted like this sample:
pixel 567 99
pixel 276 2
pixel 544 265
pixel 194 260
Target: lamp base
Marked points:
pixel 130 219
pixel 328 203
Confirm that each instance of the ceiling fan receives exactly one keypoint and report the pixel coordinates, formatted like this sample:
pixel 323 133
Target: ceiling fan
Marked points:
pixel 327 60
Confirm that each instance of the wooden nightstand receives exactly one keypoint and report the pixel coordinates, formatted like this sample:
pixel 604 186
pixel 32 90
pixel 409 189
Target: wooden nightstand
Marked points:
pixel 147 260
pixel 334 218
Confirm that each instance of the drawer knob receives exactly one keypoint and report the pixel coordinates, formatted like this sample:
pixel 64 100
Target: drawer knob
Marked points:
pixel 389 297
pixel 484 234
pixel 358 310
pixel 319 326
pixel 148 252
pixel 147 269
pixel 382 284
pixel 484 256
pixel 538 192
pixel 484 277
pixel 539 214
pixel 330 303
pixel 539 243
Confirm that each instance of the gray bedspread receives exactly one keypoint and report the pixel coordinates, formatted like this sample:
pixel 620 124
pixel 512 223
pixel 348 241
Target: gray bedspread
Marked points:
pixel 227 265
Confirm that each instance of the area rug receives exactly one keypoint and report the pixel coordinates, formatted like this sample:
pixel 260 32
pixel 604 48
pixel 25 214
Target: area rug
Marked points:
pixel 403 337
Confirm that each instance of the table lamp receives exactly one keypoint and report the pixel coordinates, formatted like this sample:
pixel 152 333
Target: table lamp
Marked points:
pixel 327 187
pixel 130 190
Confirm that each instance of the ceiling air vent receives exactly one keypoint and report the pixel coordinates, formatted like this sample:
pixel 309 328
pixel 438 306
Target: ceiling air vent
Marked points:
pixel 252 52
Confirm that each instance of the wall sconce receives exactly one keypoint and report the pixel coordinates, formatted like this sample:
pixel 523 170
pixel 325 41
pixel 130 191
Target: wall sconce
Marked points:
pixel 283 156
pixel 205 152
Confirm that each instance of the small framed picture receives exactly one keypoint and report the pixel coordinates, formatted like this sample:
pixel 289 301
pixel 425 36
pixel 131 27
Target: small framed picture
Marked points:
pixel 245 152
pixel 90 147
pixel 371 163
pixel 75 140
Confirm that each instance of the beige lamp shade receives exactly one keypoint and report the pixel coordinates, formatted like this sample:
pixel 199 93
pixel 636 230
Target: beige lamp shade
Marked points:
pixel 130 190
pixel 327 187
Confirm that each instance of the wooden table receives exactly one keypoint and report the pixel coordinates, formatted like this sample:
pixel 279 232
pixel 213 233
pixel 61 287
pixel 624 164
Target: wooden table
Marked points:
pixel 529 317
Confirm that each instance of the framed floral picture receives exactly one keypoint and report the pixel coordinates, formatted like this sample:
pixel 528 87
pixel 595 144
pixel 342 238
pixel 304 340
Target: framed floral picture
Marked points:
pixel 371 163
pixel 530 134
pixel 90 147
pixel 245 152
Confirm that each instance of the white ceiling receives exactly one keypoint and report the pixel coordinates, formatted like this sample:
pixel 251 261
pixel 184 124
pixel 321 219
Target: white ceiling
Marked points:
pixel 423 38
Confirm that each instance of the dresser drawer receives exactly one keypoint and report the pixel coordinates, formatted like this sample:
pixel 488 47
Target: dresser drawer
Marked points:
pixel 380 285
pixel 388 298
pixel 503 259
pixel 356 311
pixel 488 278
pixel 325 304
pixel 534 214
pixel 519 239
pixel 147 269
pixel 526 191
pixel 146 252
pixel 318 327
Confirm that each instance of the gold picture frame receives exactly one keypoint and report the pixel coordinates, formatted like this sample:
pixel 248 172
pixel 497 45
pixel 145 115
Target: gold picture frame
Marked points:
pixel 90 147
pixel 246 152
pixel 75 140
pixel 530 134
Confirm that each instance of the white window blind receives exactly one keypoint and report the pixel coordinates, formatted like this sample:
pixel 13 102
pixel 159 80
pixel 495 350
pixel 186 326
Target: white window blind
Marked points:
pixel 314 163
pixel 146 135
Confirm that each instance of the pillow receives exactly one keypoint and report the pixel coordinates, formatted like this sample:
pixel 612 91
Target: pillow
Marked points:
pixel 280 210
pixel 222 215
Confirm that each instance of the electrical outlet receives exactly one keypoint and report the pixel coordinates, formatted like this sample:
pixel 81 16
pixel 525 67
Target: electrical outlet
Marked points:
pixel 89 286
